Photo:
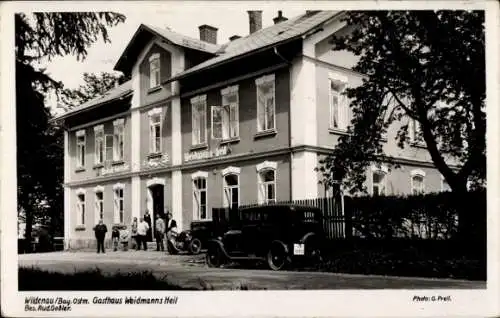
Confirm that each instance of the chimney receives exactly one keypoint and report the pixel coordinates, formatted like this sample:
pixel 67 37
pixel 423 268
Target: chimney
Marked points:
pixel 208 33
pixel 234 37
pixel 279 18
pixel 255 20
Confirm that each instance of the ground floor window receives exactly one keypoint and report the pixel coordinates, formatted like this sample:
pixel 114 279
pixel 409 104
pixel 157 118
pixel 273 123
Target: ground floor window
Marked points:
pixel 118 205
pixel 200 198
pixel 267 186
pixel 379 183
pixel 231 191
pixel 80 205
pixel 99 205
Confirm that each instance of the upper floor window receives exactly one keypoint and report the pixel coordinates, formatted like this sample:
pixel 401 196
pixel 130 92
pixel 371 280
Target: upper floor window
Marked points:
pixel 118 139
pixel 339 108
pixel 417 181
pixel 416 132
pixel 155 128
pixel 80 148
pixel 199 119
pixel 80 206
pixel 266 104
pixel 99 203
pixel 154 70
pixel 231 193
pixel 225 119
pixel 200 195
pixel 99 144
pixel 379 180
pixel 267 182
pixel 118 216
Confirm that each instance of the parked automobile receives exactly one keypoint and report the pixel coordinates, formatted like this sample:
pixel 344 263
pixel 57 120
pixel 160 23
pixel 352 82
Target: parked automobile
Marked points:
pixel 192 240
pixel 276 234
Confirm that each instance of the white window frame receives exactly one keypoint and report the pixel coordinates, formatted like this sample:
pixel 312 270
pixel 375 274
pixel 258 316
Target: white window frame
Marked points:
pixel 342 105
pixel 197 126
pixel 382 169
pixel 417 173
pixel 81 207
pixel 229 128
pixel 226 189
pixel 415 130
pixel 200 175
pixel 153 80
pixel 99 204
pixel 155 119
pixel 118 139
pixel 99 156
pixel 259 82
pixel 80 149
pixel 118 214
pixel 262 193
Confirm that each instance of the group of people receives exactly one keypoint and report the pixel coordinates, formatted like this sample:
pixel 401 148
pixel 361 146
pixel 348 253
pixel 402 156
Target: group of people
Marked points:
pixel 140 232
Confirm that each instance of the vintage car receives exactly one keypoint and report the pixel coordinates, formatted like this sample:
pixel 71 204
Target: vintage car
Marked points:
pixel 192 240
pixel 276 234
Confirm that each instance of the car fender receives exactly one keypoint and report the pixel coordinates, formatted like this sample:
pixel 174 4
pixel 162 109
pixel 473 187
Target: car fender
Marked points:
pixel 219 244
pixel 287 250
pixel 308 236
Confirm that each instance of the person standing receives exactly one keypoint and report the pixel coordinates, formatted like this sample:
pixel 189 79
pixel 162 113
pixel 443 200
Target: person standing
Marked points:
pixel 147 218
pixel 159 233
pixel 100 231
pixel 115 237
pixel 142 230
pixel 171 225
pixel 135 238
pixel 124 236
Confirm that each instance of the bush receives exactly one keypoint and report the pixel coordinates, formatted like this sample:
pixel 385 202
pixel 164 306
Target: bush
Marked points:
pixel 36 279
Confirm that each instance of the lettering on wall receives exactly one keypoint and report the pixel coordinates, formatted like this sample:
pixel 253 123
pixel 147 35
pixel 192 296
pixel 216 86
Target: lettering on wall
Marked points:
pixel 107 170
pixel 156 162
pixel 206 154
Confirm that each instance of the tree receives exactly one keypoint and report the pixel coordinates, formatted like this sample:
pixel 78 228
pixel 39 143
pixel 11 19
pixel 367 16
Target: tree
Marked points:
pixel 39 38
pixel 428 66
pixel 95 85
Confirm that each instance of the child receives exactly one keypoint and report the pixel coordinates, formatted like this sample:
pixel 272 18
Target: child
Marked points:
pixel 124 238
pixel 115 236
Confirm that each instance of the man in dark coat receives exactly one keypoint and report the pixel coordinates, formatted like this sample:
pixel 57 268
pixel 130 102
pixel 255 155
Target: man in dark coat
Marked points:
pixel 100 233
pixel 149 234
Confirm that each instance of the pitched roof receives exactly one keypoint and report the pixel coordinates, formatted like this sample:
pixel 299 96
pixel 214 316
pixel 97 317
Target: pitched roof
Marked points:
pixel 120 91
pixel 263 38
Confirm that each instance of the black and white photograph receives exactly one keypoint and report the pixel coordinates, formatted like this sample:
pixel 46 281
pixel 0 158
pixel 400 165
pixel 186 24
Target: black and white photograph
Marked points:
pixel 159 155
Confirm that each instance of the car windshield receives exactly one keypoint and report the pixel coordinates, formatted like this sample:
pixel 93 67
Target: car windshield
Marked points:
pixel 309 216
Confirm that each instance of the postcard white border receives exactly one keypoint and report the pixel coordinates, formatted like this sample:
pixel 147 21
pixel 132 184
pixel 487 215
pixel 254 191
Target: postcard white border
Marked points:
pixel 253 303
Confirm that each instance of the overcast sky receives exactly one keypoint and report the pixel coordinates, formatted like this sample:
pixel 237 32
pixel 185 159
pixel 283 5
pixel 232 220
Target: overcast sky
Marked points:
pixel 184 20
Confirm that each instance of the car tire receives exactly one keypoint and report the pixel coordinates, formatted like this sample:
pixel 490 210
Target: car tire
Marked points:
pixel 277 257
pixel 195 246
pixel 214 256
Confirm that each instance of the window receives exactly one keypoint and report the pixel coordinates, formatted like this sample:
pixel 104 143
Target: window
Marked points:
pixel 265 103
pixel 416 132
pixel 118 203
pixel 417 182
pixel 99 204
pixel 267 181
pixel 80 148
pixel 80 206
pixel 155 128
pixel 225 119
pixel 231 195
pixel 118 139
pixel 154 70
pixel 99 144
pixel 108 145
pixel 199 120
pixel 338 103
pixel 200 196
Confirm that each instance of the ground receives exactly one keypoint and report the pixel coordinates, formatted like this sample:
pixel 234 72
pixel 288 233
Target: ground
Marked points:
pixel 191 271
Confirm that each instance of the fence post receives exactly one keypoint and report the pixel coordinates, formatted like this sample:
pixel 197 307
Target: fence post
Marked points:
pixel 347 213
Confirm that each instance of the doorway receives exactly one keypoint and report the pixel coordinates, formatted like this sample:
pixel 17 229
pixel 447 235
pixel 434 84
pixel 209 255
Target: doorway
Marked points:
pixel 156 192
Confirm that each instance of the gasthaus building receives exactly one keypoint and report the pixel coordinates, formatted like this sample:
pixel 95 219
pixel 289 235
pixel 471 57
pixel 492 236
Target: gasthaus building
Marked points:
pixel 203 125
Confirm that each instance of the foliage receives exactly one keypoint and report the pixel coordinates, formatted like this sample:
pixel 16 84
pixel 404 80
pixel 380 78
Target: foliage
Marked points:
pixel 36 279
pixel 422 67
pixel 95 85
pixel 39 37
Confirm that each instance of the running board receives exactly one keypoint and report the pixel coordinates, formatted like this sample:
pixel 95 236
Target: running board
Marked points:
pixel 246 258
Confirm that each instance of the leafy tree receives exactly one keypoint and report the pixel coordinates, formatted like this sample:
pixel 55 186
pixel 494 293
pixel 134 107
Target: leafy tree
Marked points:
pixel 426 66
pixel 39 37
pixel 95 85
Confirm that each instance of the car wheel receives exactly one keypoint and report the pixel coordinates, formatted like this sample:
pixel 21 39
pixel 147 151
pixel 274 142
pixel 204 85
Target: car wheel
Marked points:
pixel 277 257
pixel 195 246
pixel 214 256
pixel 313 251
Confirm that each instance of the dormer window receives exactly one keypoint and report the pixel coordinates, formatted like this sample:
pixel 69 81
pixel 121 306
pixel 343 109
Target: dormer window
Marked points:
pixel 154 70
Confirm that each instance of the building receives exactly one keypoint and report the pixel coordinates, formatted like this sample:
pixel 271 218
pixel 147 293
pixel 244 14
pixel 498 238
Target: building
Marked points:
pixel 203 125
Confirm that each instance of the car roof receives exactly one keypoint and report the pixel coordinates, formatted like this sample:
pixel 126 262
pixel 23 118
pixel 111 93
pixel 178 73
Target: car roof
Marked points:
pixel 290 206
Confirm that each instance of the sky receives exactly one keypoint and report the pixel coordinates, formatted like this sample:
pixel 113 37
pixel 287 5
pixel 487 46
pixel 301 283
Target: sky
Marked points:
pixel 182 19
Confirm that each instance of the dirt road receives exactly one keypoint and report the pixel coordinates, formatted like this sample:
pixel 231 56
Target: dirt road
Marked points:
pixel 189 271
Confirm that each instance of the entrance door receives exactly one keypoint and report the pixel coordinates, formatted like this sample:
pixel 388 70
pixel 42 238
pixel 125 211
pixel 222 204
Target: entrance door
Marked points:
pixel 157 194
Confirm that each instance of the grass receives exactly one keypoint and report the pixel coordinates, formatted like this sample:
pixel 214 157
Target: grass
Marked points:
pixel 37 279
